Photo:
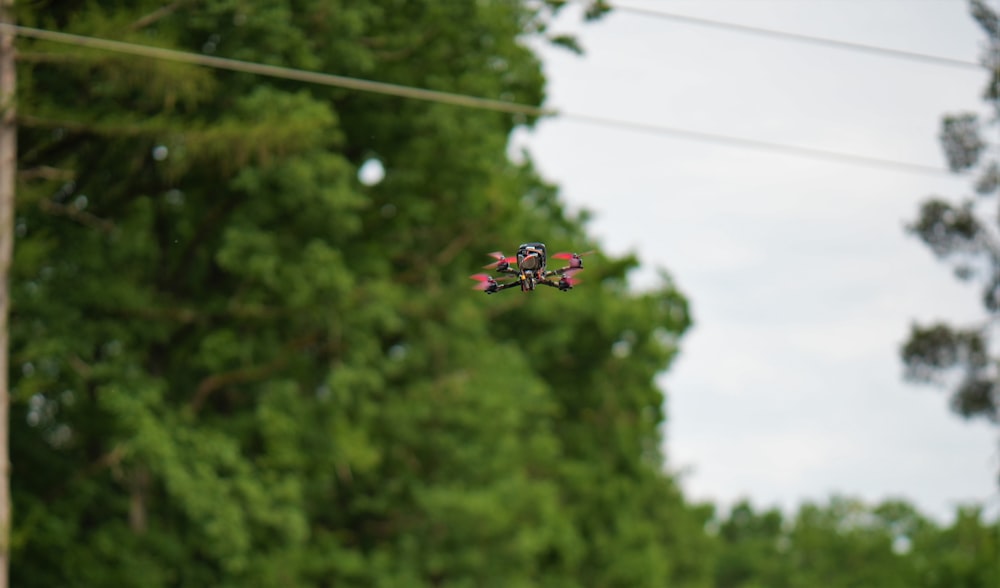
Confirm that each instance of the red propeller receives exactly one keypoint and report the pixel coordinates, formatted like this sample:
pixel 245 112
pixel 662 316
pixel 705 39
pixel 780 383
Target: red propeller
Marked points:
pixel 485 281
pixel 574 258
pixel 500 260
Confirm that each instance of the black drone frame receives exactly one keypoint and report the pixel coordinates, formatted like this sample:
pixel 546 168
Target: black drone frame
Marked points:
pixel 563 284
pixel 527 279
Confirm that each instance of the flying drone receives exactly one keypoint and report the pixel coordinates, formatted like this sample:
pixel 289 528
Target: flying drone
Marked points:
pixel 528 267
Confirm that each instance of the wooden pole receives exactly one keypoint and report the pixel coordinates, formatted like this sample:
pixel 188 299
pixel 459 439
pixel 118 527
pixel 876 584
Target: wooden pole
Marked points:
pixel 8 171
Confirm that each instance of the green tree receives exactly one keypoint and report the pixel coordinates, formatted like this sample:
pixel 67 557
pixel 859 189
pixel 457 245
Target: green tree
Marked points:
pixel 967 236
pixel 752 545
pixel 846 542
pixel 965 554
pixel 233 363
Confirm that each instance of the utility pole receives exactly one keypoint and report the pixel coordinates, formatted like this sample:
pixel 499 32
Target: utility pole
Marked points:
pixel 8 171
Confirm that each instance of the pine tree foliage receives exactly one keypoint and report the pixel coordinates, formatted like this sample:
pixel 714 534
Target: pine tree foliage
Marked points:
pixel 236 364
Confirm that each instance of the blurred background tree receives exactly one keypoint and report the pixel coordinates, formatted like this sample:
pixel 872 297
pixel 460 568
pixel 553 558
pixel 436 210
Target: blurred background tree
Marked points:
pixel 236 363
pixel 967 235
pixel 846 542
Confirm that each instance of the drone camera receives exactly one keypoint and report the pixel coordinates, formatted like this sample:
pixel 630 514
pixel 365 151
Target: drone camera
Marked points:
pixel 531 256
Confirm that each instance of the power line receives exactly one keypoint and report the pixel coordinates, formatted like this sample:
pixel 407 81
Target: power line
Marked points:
pixel 276 71
pixel 747 143
pixel 455 99
pixel 797 37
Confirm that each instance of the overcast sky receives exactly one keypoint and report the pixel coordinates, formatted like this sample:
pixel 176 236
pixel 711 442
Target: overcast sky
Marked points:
pixel 801 277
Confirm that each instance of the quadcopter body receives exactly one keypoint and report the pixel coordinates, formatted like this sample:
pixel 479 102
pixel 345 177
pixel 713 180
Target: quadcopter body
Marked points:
pixel 528 268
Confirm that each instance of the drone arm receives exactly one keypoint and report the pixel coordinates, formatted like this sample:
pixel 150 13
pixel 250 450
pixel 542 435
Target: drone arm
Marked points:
pixel 563 284
pixel 560 271
pixel 503 286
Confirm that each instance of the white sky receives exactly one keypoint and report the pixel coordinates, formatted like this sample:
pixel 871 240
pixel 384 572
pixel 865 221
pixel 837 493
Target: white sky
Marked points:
pixel 801 277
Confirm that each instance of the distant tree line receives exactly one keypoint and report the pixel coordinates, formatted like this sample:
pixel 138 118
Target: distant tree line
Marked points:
pixel 846 542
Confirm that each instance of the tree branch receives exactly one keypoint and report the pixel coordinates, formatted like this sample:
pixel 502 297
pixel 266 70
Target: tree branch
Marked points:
pixel 247 374
pixel 447 254
pixel 156 15
pixel 46 172
pixel 81 216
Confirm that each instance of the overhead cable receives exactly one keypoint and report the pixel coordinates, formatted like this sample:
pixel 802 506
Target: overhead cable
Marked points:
pixel 454 99
pixel 797 37
pixel 277 71
pixel 747 143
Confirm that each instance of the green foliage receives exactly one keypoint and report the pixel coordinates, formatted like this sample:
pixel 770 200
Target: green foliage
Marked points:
pixel 962 357
pixel 846 542
pixel 237 365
